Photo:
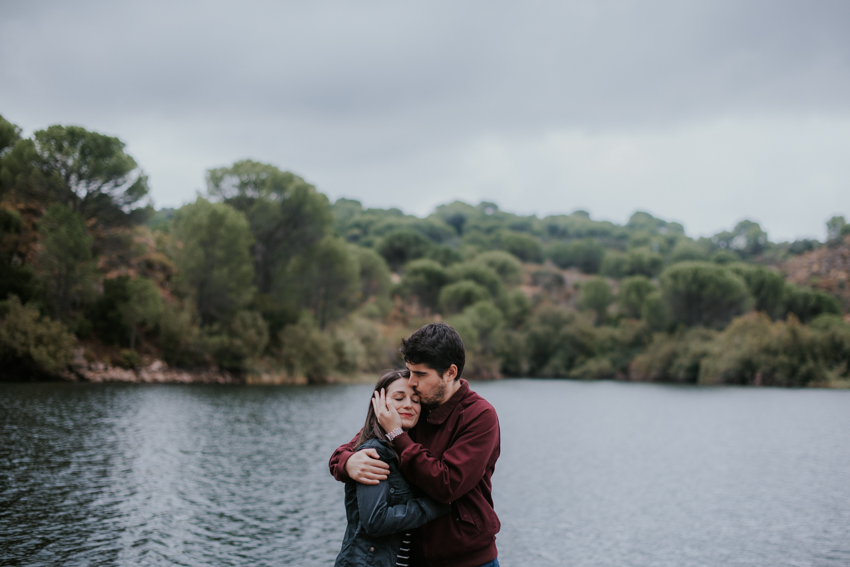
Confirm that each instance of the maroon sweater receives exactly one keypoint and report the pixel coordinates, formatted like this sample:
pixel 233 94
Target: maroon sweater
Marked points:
pixel 451 456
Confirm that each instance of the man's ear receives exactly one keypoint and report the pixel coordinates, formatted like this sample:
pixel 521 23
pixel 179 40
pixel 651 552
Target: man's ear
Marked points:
pixel 450 373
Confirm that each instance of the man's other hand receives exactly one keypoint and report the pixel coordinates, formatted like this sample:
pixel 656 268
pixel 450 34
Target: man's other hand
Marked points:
pixel 366 467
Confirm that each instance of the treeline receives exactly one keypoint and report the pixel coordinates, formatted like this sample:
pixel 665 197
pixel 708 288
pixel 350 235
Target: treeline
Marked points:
pixel 264 276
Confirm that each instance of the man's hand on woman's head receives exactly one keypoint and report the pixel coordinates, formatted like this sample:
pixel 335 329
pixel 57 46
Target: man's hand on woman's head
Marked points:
pixel 366 467
pixel 385 411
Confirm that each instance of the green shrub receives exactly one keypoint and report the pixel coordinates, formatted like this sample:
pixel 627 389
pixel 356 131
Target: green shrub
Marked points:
pixel 593 369
pixel 723 257
pixel 374 273
pixel 306 351
pixel 643 263
pixel 128 358
pixel 401 246
pixel 522 245
pixel 614 264
pixel 807 303
pixel 106 313
pixel 179 335
pixel 516 307
pixel 585 254
pixel 459 295
pixel 596 296
pixel 480 274
pixel 766 286
pixel 445 255
pixel 632 295
pixel 673 358
pixel 505 264
pixel 30 343
pixel 832 336
pixel 656 311
pixel 481 327
pixel 557 339
pixel 704 294
pixel 755 350
pixel 424 279
pixel 687 250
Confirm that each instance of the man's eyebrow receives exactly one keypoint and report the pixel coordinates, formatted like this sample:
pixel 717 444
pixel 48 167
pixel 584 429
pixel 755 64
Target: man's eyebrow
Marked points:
pixel 419 372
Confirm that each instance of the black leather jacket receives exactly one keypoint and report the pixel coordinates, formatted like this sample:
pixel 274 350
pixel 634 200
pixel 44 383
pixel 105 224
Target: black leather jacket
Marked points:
pixel 378 515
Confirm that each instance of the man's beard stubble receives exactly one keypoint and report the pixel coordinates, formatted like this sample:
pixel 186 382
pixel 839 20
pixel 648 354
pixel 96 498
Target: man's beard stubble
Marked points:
pixel 435 398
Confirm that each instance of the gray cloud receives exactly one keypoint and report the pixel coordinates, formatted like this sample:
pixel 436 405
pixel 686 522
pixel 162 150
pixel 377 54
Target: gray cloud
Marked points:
pixel 392 102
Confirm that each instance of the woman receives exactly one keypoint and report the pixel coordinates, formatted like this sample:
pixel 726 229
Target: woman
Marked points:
pixel 381 516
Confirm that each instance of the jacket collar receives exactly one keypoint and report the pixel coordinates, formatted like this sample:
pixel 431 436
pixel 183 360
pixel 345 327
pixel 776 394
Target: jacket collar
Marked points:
pixel 441 413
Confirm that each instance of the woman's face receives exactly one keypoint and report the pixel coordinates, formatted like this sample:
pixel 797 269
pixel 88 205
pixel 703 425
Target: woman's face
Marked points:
pixel 406 402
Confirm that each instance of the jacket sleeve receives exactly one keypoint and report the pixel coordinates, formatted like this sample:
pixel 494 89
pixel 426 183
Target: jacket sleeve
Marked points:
pixel 461 466
pixel 378 518
pixel 339 458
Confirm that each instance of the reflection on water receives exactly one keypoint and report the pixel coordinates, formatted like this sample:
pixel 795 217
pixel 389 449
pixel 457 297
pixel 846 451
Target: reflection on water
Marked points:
pixel 591 474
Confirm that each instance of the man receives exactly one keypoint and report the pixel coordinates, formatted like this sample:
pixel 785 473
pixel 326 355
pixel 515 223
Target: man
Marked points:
pixel 450 454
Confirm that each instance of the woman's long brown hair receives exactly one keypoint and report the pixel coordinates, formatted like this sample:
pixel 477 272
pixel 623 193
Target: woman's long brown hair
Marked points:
pixel 372 430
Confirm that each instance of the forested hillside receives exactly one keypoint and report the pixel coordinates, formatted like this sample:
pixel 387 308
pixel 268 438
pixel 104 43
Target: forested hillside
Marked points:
pixel 263 277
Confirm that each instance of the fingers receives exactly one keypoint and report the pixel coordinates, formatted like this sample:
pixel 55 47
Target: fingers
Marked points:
pixel 373 453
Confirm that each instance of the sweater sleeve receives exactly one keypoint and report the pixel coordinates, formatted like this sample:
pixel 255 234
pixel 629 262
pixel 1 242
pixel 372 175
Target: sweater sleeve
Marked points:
pixel 378 518
pixel 461 466
pixel 339 458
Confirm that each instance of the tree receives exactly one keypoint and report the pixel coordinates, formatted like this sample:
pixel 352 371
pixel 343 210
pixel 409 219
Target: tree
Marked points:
pixel 687 250
pixel 325 280
pixel 632 295
pixel 459 295
pixel 456 214
pixel 766 286
pixel 9 136
pixel 143 308
pixel 211 248
pixel 505 264
pixel 643 263
pixel 374 273
pixel 88 172
pixel 481 325
pixel 424 279
pixel 306 351
pixel 30 342
pixel 286 214
pixel 806 303
pixel 480 274
pixel 596 296
pixel 522 245
pixel 747 238
pixel 65 258
pixel 834 227
pixel 401 246
pixel 585 254
pixel 614 264
pixel 704 294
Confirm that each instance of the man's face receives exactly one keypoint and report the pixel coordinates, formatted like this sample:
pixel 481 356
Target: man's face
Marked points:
pixel 430 386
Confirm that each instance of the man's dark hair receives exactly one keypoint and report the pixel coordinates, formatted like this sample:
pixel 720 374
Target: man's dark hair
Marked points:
pixel 436 345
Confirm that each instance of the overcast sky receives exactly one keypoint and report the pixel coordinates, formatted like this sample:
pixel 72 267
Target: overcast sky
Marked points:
pixel 702 112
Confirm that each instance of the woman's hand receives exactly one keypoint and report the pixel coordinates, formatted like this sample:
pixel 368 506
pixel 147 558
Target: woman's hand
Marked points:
pixel 386 413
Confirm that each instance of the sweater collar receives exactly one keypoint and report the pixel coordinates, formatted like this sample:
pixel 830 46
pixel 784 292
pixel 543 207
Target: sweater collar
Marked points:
pixel 441 413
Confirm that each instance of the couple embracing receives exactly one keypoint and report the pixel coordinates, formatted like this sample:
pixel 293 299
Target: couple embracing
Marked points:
pixel 417 476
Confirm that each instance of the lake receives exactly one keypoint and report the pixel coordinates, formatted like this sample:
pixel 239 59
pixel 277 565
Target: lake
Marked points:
pixel 591 474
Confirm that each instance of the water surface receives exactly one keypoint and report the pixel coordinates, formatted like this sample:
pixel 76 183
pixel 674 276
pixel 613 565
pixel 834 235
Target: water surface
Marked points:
pixel 591 474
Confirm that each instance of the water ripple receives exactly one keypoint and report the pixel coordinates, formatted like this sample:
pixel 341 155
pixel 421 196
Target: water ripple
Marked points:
pixel 600 474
